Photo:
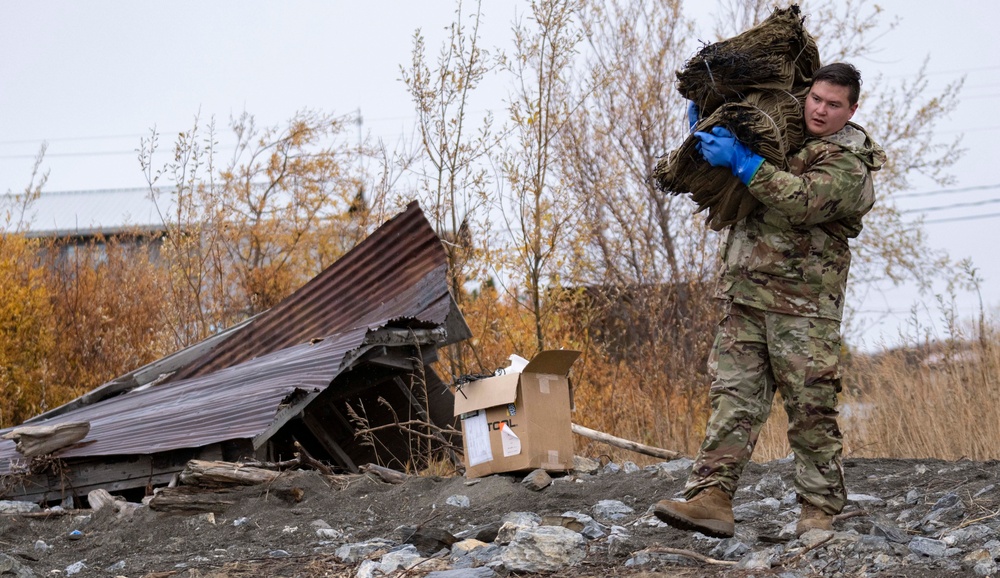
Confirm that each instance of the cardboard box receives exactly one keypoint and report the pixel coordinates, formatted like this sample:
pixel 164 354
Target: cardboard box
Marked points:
pixel 519 421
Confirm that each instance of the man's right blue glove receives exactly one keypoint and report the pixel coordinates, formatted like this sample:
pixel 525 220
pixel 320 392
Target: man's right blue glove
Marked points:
pixel 721 149
pixel 692 114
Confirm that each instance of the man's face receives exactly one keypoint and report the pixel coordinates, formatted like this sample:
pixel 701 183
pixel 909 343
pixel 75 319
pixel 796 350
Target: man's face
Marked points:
pixel 827 108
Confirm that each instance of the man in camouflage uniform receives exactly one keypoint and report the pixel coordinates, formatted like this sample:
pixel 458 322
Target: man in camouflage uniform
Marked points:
pixel 784 279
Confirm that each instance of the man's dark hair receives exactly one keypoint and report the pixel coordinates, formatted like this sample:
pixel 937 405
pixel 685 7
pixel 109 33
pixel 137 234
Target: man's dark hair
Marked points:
pixel 841 74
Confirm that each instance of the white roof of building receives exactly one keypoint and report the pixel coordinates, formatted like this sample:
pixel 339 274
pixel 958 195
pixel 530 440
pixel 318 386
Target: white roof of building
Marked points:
pixel 88 212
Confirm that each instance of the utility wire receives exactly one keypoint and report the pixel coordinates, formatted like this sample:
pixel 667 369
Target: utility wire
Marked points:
pixel 951 206
pixel 77 154
pixel 947 191
pixel 965 218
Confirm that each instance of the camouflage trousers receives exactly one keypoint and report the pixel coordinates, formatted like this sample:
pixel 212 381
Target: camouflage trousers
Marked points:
pixel 756 353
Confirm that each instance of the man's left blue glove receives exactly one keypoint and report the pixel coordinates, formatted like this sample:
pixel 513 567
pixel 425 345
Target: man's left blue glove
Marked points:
pixel 693 114
pixel 721 149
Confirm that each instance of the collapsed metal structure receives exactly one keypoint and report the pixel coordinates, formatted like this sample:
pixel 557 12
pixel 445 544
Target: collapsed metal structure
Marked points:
pixel 365 328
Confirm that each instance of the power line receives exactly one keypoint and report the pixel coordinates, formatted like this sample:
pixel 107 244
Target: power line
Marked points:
pixel 72 138
pixel 974 69
pixel 946 191
pixel 78 154
pixel 965 130
pixel 965 218
pixel 164 132
pixel 951 206
pixel 955 71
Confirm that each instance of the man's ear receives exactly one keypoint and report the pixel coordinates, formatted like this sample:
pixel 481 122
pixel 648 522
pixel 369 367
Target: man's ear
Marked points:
pixel 853 109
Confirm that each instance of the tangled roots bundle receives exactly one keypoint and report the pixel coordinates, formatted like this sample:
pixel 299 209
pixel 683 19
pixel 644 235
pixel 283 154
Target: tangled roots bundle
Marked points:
pixel 776 54
pixel 754 84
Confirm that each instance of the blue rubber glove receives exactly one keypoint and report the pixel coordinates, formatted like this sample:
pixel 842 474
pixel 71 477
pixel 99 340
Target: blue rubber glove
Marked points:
pixel 721 149
pixel 692 115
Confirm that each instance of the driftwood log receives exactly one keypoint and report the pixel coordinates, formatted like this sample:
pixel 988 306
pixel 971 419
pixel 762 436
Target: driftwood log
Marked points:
pixel 210 474
pixel 187 499
pixel 387 475
pixel 624 443
pixel 39 440
pixel 213 486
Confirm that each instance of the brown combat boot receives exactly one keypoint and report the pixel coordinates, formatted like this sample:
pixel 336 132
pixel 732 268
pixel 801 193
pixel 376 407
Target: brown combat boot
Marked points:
pixel 813 518
pixel 709 512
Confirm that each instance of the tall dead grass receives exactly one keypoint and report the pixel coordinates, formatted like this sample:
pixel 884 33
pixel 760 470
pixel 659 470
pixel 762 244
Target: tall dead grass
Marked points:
pixel 937 397
pixel 934 397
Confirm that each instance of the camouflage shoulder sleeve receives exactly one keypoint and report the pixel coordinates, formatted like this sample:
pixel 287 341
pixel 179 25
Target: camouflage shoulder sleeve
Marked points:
pixel 830 186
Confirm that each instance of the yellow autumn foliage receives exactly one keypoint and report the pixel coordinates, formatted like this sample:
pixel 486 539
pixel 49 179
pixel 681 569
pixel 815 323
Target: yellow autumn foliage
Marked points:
pixel 26 332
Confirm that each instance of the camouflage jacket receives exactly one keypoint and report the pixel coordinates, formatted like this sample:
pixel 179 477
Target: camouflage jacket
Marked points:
pixel 791 254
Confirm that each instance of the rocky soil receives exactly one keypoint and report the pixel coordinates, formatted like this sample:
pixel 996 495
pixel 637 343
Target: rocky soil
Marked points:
pixel 906 518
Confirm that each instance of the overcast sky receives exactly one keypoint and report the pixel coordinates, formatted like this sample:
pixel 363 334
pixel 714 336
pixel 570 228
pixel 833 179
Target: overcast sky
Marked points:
pixel 92 78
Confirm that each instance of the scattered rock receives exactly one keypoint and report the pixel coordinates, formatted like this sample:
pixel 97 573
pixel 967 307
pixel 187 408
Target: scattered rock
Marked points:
pixel 587 466
pixel 620 542
pixel 544 549
pixel 865 501
pixel 426 539
pixel 568 522
pixel 770 486
pixel 10 566
pixel 352 553
pixel 402 558
pixel 481 572
pixel 329 533
pixel 483 533
pixel 511 523
pixel 537 480
pixel 890 531
pixel 458 501
pixel 612 510
pixel 760 560
pixel 756 510
pixel 674 469
pixel 15 507
pixel 730 549
pixel 473 553
pixel 928 547
pixel 946 501
pixel 591 528
pixel 653 557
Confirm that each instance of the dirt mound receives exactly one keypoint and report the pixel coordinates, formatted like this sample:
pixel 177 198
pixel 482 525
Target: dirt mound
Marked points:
pixel 260 534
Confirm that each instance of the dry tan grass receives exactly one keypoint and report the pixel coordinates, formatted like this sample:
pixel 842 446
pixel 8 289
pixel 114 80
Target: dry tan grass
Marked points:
pixel 935 399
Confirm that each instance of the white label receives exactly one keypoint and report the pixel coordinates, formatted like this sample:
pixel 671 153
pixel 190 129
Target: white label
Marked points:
pixel 543 383
pixel 477 439
pixel 511 443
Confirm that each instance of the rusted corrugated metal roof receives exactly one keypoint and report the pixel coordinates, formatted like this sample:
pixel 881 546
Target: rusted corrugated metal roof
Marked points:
pixel 235 390
pixel 234 403
pixel 399 271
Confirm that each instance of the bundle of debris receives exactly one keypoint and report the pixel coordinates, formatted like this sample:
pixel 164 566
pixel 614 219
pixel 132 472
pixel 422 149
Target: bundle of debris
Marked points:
pixel 348 352
pixel 753 84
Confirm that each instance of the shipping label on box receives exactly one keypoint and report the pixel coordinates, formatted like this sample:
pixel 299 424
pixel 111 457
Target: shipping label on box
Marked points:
pixel 519 421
